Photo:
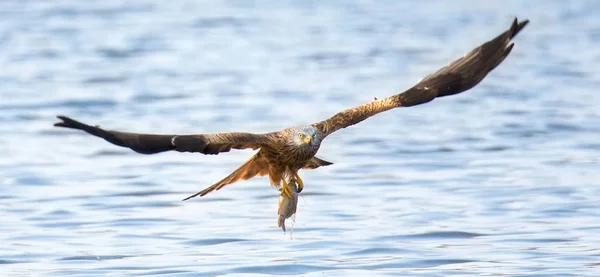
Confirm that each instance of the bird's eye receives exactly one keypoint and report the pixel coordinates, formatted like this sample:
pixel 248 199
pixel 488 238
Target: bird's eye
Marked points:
pixel 300 135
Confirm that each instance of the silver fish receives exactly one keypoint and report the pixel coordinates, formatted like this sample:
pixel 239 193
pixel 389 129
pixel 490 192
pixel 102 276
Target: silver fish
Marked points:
pixel 287 206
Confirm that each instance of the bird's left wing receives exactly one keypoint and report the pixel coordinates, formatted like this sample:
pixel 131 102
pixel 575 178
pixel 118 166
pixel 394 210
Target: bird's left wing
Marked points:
pixel 210 144
pixel 458 76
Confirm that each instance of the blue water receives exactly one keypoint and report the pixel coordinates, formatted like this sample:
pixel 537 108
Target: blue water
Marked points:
pixel 503 180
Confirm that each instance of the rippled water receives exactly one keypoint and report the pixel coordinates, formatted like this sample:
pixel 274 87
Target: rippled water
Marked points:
pixel 500 181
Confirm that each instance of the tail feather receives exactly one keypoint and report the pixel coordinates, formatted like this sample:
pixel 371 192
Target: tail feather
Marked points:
pixel 255 166
pixel 316 162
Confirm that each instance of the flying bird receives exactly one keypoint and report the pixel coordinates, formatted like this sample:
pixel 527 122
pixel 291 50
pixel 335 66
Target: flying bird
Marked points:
pixel 283 153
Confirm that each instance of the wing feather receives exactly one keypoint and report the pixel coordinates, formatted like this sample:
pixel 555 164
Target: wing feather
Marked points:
pixel 458 76
pixel 210 144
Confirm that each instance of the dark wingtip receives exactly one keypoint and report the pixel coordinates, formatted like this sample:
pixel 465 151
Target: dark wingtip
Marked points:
pixel 63 123
pixel 68 122
pixel 518 26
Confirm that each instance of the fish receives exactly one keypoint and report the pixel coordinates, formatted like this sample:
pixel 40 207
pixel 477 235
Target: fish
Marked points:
pixel 287 206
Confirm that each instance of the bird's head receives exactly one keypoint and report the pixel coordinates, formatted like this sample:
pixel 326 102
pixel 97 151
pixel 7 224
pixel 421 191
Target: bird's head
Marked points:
pixel 305 136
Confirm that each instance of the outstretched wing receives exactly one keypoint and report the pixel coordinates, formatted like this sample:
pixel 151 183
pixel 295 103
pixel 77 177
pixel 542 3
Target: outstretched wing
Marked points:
pixel 458 76
pixel 150 143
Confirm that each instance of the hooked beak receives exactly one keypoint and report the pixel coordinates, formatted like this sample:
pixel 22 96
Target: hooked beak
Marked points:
pixel 307 139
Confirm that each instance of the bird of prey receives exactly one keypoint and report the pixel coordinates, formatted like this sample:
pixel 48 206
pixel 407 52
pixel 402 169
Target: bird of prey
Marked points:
pixel 283 153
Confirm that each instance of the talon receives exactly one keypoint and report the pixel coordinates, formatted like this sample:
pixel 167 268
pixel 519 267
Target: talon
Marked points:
pixel 299 182
pixel 285 190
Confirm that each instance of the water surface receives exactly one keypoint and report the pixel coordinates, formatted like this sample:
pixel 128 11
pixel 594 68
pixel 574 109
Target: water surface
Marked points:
pixel 499 181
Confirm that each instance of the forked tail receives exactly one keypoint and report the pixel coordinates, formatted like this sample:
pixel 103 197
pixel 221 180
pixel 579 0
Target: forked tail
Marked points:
pixel 255 166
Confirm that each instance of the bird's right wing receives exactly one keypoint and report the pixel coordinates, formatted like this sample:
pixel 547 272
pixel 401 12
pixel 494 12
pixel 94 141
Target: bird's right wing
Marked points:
pixel 210 144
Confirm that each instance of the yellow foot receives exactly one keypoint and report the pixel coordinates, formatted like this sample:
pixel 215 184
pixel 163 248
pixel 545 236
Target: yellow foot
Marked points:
pixel 286 190
pixel 299 182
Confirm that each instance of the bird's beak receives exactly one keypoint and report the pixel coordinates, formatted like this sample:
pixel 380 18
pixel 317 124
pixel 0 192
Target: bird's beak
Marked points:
pixel 307 139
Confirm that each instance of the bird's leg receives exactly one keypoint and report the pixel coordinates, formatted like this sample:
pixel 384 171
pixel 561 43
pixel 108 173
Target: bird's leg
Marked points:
pixel 299 182
pixel 285 189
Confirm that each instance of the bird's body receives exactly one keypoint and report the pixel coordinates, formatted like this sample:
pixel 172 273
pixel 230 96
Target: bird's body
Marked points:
pixel 281 157
pixel 283 153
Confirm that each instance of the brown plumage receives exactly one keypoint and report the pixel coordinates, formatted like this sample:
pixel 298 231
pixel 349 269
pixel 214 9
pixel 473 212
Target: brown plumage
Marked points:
pixel 284 152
